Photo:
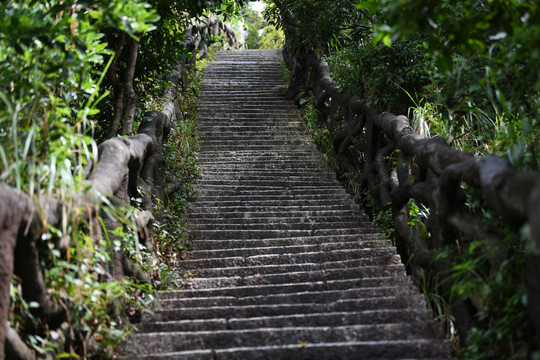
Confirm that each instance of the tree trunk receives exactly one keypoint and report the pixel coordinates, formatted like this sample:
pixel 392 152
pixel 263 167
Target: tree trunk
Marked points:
pixel 118 89
pixel 129 91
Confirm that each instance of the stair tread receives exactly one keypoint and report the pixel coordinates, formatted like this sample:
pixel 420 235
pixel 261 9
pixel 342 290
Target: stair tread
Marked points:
pixel 284 263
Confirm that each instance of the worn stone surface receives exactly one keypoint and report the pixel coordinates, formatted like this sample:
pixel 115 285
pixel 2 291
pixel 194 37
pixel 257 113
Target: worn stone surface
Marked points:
pixel 284 264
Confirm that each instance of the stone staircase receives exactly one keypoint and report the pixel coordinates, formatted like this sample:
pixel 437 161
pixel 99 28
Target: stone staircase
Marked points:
pixel 284 264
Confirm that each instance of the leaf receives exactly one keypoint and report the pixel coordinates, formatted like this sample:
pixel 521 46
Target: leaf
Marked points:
pixel 67 356
pixel 387 40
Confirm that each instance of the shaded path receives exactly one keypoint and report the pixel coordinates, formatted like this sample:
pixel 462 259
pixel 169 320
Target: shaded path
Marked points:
pixel 287 265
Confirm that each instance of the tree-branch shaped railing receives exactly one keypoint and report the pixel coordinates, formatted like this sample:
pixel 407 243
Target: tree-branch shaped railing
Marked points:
pixel 124 164
pixel 125 167
pixel 199 35
pixel 397 165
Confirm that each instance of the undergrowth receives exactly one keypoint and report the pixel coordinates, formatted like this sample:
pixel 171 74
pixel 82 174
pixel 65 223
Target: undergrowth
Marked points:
pixel 318 131
pixel 181 151
pixel 101 310
pixel 504 326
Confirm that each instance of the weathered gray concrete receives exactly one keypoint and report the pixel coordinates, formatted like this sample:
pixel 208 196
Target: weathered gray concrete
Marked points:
pixel 284 264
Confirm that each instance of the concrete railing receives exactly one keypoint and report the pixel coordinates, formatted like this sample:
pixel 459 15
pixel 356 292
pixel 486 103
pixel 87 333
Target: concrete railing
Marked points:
pixel 123 167
pixel 398 165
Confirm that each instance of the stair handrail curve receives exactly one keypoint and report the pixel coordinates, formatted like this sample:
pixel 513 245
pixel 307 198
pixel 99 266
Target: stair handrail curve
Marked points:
pixel 124 167
pixel 399 165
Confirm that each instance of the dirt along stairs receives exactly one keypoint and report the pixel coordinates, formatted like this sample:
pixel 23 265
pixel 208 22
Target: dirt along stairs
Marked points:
pixel 285 265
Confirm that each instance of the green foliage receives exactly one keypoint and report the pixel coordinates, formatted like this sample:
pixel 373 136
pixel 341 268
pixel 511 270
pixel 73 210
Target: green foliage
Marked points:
pixel 162 49
pixel 51 82
pixel 383 220
pixel 182 147
pixel 51 55
pixel 53 60
pixel 41 96
pixel 418 215
pixel 271 38
pixel 380 73
pixel 316 24
pixel 76 280
pixel 465 71
pixel 261 35
pixel 318 131
pixel 500 295
pixel 253 24
pixel 484 74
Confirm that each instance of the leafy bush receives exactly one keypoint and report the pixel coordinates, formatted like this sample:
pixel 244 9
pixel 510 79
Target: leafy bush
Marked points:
pixel 260 34
pixel 485 75
pixel 382 75
pixel 465 71
pixel 54 58
pixel 318 131
pixel 318 25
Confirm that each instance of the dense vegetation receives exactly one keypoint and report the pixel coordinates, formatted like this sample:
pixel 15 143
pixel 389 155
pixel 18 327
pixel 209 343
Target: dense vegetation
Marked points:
pixel 467 69
pixel 72 75
pixel 464 71
pixel 260 34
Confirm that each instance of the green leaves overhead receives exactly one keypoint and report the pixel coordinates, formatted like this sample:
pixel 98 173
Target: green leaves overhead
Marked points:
pixel 318 24
pixel 484 65
pixel 133 17
pixel 54 57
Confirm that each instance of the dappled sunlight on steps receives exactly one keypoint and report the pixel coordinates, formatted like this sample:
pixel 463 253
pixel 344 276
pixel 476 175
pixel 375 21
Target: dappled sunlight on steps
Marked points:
pixel 285 265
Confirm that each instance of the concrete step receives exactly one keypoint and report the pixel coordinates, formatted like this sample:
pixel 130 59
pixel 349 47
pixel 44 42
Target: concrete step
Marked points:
pixel 254 133
pixel 283 249
pixel 343 242
pixel 247 165
pixel 313 273
pixel 389 316
pixel 315 297
pixel 274 215
pixel 288 205
pixel 260 155
pixel 284 264
pixel 222 339
pixel 397 302
pixel 270 178
pixel 272 224
pixel 315 207
pixel 219 234
pixel 329 211
pixel 317 257
pixel 280 273
pixel 277 217
pixel 338 195
pixel 245 189
pixel 253 290
pixel 429 349
pixel 289 226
